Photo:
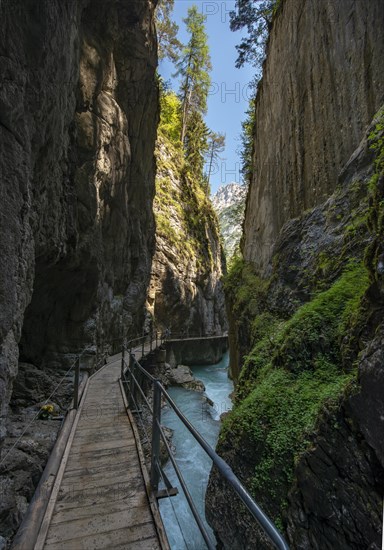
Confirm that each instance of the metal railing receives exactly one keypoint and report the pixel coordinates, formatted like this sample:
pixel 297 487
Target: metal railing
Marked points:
pixel 133 377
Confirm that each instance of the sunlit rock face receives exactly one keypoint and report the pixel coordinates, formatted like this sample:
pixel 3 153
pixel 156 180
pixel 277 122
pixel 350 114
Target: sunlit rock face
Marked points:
pixel 314 210
pixel 186 292
pixel 322 83
pixel 78 117
pixel 229 204
pixel 328 494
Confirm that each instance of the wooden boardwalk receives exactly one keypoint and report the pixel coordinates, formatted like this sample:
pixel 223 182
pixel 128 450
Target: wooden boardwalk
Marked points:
pixel 101 498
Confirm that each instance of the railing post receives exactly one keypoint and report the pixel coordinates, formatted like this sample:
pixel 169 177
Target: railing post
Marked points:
pixel 76 384
pixel 155 454
pixel 131 382
pixel 142 347
pixel 156 339
pixel 122 361
pixel 151 338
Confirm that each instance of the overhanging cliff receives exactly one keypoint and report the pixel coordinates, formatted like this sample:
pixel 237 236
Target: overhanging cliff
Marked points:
pixel 78 117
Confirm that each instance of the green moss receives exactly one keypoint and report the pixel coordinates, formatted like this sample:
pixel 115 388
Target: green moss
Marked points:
pixel 376 210
pixel 376 141
pixel 292 374
pixel 315 329
pixel 246 290
pixel 183 213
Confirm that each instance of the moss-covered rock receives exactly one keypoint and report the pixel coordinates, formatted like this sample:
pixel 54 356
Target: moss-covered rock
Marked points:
pixel 301 435
pixel 186 292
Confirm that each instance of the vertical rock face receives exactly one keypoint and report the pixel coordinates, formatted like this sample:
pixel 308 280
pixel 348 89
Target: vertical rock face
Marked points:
pixel 186 292
pixel 78 116
pixel 322 83
pixel 229 204
pixel 306 432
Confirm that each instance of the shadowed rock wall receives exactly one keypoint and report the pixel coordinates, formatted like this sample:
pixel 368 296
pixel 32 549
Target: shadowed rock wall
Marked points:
pixel 206 351
pixel 78 117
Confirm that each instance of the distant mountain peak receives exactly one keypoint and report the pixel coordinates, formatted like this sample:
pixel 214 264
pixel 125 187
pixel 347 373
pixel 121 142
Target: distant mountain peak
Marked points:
pixel 229 203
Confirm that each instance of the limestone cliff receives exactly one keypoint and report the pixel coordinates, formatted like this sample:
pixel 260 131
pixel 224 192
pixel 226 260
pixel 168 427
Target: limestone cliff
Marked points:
pixel 78 116
pixel 306 434
pixel 186 293
pixel 229 204
pixel 323 81
pixel 306 302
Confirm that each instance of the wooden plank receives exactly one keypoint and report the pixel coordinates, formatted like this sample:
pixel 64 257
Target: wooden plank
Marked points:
pixel 101 520
pixel 104 465
pixel 99 446
pixel 163 539
pixel 91 527
pixel 91 480
pixel 80 460
pixel 109 429
pixel 108 542
pixel 99 495
pixel 147 544
pixel 102 500
pixel 85 437
pixel 52 500
pixel 65 514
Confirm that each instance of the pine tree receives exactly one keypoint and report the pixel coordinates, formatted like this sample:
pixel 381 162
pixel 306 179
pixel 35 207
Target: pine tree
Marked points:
pixel 194 67
pixel 169 44
pixel 196 145
pixel 256 16
pixel 170 123
pixel 216 145
pixel 247 138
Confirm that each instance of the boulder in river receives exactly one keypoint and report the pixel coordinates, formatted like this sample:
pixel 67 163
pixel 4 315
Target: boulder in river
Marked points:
pixel 183 376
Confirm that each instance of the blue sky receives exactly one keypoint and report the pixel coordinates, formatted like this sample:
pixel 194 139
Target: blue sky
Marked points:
pixel 230 92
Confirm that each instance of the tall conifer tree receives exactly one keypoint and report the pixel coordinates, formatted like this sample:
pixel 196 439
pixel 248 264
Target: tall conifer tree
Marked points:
pixel 216 145
pixel 194 67
pixel 169 45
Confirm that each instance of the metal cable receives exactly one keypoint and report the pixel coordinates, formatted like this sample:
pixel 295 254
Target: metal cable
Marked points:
pixel 142 393
pixel 173 508
pixel 187 494
pixel 140 418
pixel 45 402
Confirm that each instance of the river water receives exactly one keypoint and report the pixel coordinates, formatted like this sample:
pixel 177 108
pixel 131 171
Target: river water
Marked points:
pixel 195 465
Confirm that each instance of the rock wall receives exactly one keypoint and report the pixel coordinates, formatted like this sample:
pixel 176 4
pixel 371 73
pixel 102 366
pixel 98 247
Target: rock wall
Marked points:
pixel 186 293
pixel 229 204
pixel 323 81
pixel 204 351
pixel 306 434
pixel 78 117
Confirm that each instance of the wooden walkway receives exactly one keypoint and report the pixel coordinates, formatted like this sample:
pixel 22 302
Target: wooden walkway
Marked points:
pixel 101 498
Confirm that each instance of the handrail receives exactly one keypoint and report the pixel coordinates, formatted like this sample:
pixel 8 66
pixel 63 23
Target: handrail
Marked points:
pixel 224 469
pixel 186 335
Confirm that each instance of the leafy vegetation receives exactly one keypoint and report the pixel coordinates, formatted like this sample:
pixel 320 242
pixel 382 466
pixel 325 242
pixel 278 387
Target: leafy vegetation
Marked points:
pixel 293 372
pixel 183 212
pixel 247 138
pixel 193 67
pixel 313 334
pixel 196 146
pixel 169 44
pixel 170 122
pixel 256 16
pixel 216 145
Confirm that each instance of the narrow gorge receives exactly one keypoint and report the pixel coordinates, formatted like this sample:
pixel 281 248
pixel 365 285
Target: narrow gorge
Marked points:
pixel 305 301
pixel 112 228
